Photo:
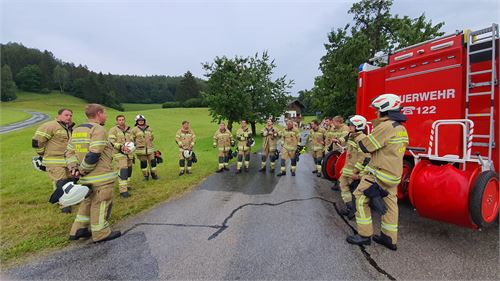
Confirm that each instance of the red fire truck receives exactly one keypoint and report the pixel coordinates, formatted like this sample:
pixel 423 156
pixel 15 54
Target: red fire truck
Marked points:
pixel 449 90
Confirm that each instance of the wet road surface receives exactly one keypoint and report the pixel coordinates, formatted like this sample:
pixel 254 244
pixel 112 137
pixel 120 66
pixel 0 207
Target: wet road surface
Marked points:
pixel 36 117
pixel 259 226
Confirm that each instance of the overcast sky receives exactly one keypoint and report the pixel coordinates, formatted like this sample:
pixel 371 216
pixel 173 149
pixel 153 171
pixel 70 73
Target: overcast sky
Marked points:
pixel 170 37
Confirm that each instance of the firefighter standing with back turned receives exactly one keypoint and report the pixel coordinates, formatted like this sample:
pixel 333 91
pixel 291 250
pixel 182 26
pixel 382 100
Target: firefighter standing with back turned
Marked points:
pixel 90 157
pixel 118 136
pixel 317 141
pixel 378 187
pixel 223 140
pixel 356 161
pixel 185 139
pixel 243 135
pixel 291 138
pixel 50 142
pixel 142 136
pixel 270 135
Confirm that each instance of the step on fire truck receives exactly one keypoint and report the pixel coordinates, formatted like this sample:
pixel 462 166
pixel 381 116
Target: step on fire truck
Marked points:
pixel 449 90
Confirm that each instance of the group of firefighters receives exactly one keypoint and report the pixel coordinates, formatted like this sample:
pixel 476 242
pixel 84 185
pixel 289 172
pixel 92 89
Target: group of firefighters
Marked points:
pixel 85 154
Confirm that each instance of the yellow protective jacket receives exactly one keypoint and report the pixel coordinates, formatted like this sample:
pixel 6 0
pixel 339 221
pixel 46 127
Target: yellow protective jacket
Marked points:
pixel 317 139
pixel 336 133
pixel 118 137
pixel 185 139
pixel 387 144
pixel 242 136
pixel 270 138
pixel 143 140
pixel 291 138
pixel 50 142
pixel 356 159
pixel 90 151
pixel 222 140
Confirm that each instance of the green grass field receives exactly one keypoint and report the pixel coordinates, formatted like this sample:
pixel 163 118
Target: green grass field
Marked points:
pixel 140 106
pixel 8 116
pixel 29 224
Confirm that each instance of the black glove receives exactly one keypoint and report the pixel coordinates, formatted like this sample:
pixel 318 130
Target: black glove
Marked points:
pixel 376 194
pixel 193 158
pixel 354 184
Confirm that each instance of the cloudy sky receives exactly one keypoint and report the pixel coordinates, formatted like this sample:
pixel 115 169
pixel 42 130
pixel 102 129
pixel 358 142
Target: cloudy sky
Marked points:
pixel 169 37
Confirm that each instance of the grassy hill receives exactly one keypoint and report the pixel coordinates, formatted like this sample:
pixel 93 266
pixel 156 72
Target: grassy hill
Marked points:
pixel 29 224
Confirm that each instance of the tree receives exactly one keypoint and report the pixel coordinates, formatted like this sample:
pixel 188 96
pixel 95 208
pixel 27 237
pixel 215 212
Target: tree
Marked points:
pixel 374 30
pixel 8 91
pixel 188 88
pixel 28 78
pixel 242 89
pixel 61 77
pixel 47 65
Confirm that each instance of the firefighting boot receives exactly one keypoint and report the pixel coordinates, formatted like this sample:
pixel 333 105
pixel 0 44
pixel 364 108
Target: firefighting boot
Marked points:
pixel 146 178
pixel 220 170
pixel 335 186
pixel 181 172
pixel 66 210
pixel 80 233
pixel 262 170
pixel 125 194
pixel 111 236
pixel 282 173
pixel 238 171
pixel 293 174
pixel 385 240
pixel 349 211
pixel 358 240
pixel 154 176
pixel 314 171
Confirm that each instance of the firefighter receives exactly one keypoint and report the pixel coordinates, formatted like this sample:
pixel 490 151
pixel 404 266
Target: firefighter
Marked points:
pixel 336 135
pixel 378 186
pixel 118 136
pixel 185 139
pixel 223 140
pixel 50 142
pixel 290 138
pixel 245 141
pixel 317 142
pixel 142 136
pixel 356 161
pixel 89 158
pixel 269 146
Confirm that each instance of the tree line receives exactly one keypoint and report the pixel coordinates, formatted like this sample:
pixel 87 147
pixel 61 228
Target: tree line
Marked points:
pixel 30 69
pixel 374 30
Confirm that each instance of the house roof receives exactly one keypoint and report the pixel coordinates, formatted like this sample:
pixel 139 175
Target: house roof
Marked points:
pixel 298 103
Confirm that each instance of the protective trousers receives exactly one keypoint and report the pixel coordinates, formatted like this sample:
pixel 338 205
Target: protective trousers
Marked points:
pixel 272 159
pixel 182 164
pixel 124 173
pixel 318 157
pixel 243 154
pixel 345 193
pixel 389 224
pixel 94 211
pixel 285 155
pixel 145 159
pixel 223 159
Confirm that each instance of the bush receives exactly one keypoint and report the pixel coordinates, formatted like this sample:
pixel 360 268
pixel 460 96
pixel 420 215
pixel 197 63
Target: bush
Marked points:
pixel 171 104
pixel 194 102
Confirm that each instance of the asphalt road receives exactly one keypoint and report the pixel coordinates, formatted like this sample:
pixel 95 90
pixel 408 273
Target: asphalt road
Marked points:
pixel 36 117
pixel 259 226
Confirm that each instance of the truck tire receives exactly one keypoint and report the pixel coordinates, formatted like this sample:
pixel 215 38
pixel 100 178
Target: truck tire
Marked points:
pixel 405 180
pixel 484 199
pixel 328 165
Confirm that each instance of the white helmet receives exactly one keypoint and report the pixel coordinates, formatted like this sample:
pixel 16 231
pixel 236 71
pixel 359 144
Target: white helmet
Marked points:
pixel 140 117
pixel 187 153
pixel 387 102
pixel 37 163
pixel 131 147
pixel 357 121
pixel 73 194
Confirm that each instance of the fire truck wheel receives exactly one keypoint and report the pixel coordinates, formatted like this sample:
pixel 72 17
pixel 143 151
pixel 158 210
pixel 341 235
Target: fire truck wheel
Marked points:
pixel 328 165
pixel 405 180
pixel 483 204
